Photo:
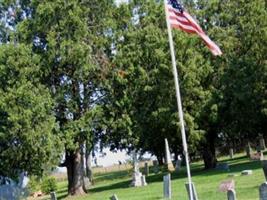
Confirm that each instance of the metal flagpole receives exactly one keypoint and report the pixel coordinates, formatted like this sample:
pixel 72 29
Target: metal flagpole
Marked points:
pixel 179 103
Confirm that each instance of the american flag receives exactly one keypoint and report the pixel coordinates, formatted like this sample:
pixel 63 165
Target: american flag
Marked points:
pixel 180 19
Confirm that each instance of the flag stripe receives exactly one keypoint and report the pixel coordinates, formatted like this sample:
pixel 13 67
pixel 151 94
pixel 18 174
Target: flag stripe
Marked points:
pixel 180 19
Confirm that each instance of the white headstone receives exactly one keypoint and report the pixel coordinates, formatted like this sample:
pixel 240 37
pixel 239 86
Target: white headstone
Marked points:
pixel 137 175
pixel 178 163
pixel 167 186
pixel 246 172
pixel 143 180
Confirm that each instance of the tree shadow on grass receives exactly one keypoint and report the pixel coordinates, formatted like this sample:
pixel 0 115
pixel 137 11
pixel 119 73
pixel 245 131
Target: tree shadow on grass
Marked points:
pixel 235 166
pixel 111 176
pixel 62 193
pixel 119 185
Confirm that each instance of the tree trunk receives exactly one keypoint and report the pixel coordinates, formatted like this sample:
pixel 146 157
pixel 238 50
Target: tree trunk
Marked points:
pixel 208 153
pixel 160 159
pixel 89 172
pixel 75 171
pixel 209 159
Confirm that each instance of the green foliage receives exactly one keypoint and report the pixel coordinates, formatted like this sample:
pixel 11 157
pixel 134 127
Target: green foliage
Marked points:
pixel 142 96
pixel 27 122
pixel 48 185
pixel 34 184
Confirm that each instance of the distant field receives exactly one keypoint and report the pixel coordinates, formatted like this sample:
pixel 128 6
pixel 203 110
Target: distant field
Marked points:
pixel 206 182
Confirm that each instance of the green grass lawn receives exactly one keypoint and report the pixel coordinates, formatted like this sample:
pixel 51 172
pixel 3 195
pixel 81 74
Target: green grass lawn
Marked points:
pixel 206 182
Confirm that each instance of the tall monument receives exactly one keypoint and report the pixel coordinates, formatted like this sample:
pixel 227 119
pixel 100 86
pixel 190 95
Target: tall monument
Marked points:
pixel 168 160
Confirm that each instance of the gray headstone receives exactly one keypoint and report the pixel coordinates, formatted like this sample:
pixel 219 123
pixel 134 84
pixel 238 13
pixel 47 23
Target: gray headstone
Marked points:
pixel 258 148
pixel 231 153
pixel 264 167
pixel 231 195
pixel 155 166
pixel 263 191
pixel 146 171
pixel 248 150
pixel 167 193
pixel 114 197
pixel 53 195
pixel 262 144
pixel 193 190
pixel 222 166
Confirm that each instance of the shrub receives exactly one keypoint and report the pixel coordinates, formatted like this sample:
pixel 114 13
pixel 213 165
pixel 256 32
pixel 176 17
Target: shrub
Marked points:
pixel 34 184
pixel 48 185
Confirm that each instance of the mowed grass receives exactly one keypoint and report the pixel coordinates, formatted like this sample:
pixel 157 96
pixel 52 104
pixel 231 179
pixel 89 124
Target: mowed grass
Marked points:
pixel 206 182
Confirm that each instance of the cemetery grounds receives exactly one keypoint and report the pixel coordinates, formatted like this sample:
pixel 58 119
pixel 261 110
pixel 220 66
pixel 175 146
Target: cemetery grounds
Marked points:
pixel 206 181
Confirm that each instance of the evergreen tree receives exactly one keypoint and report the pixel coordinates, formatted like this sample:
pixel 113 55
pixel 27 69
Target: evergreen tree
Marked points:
pixel 68 39
pixel 27 124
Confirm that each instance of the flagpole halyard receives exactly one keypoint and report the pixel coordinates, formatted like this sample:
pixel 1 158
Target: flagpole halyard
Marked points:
pixel 179 103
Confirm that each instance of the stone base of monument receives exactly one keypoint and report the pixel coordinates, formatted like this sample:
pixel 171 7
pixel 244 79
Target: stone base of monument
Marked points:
pixel 170 167
pixel 139 180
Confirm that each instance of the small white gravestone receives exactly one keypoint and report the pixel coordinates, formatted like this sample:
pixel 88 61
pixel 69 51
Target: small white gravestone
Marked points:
pixel 167 186
pixel 178 163
pixel 168 160
pixel 263 191
pixel 143 180
pixel 246 172
pixel 195 197
pixel 137 175
pixel 231 194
